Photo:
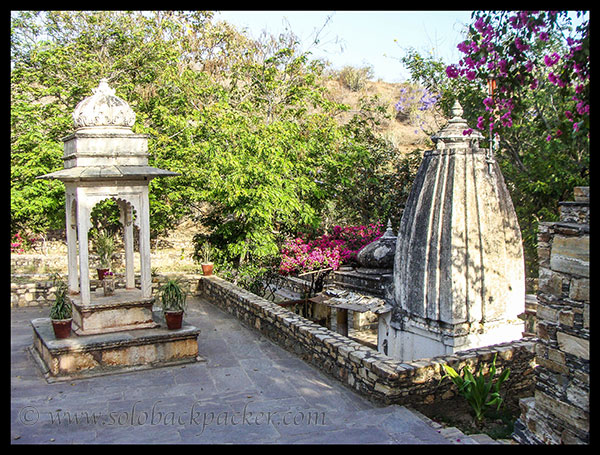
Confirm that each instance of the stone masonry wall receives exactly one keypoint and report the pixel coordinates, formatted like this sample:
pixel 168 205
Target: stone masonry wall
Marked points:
pixel 369 372
pixel 559 411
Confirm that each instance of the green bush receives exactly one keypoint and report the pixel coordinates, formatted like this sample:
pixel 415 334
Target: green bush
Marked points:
pixel 480 391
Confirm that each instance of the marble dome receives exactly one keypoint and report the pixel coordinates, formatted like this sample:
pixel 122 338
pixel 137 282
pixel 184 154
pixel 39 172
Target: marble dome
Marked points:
pixel 103 109
pixel 379 254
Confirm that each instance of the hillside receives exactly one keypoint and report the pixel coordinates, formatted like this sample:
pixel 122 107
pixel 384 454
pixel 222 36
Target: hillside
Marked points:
pixel 404 134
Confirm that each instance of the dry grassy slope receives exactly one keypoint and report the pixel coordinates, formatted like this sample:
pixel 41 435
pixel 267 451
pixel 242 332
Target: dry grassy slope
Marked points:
pixel 404 135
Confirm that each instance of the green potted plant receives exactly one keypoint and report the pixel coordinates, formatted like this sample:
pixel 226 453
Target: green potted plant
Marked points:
pixel 173 299
pixel 206 252
pixel 105 247
pixel 61 311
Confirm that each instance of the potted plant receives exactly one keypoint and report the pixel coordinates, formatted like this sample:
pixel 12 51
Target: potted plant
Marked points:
pixel 173 299
pixel 61 311
pixel 105 247
pixel 206 252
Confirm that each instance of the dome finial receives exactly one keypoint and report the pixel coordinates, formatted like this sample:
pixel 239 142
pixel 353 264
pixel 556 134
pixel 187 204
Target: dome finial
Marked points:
pixel 457 110
pixel 104 88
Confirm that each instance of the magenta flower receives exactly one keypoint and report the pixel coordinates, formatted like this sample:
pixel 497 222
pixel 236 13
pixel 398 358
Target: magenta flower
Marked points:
pixel 520 45
pixel 550 60
pixel 480 121
pixel 328 250
pixel 452 72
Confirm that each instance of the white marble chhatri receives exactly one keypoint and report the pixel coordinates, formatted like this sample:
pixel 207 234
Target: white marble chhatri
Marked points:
pixel 104 159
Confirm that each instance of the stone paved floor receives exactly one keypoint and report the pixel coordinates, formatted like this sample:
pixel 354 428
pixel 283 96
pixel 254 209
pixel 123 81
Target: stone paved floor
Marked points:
pixel 249 390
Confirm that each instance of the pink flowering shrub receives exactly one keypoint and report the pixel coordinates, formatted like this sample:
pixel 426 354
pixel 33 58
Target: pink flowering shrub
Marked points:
pixel 17 245
pixel 328 250
pixel 22 242
pixel 507 47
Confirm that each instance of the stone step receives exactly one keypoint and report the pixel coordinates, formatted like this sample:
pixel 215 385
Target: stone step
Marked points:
pixel 456 436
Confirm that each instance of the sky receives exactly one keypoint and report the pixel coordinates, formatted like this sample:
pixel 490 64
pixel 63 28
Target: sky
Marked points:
pixel 366 38
pixel 360 38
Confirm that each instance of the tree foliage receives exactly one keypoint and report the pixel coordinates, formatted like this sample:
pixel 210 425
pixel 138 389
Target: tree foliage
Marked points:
pixel 246 123
pixel 540 167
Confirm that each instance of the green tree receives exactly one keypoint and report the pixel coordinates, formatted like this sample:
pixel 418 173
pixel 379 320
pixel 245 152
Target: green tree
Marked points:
pixel 246 123
pixel 57 57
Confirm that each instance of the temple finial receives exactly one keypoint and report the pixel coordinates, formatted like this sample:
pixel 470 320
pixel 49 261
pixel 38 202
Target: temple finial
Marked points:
pixel 457 110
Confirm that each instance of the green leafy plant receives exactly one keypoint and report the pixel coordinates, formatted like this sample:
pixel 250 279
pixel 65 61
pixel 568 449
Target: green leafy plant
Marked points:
pixel 104 243
pixel 172 296
pixel 61 308
pixel 480 391
pixel 206 253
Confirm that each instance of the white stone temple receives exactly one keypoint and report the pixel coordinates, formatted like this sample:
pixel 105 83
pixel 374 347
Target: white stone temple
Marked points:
pixel 104 159
pixel 459 279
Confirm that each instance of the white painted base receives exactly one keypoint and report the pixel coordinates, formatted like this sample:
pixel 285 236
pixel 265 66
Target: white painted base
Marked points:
pixel 413 342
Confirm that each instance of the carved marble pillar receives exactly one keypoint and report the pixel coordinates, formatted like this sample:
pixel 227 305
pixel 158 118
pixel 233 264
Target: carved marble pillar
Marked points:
pixel 127 222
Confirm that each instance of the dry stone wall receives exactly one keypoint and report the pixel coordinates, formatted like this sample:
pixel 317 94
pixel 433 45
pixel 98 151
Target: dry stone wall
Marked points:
pixel 371 373
pixel 38 289
pixel 559 411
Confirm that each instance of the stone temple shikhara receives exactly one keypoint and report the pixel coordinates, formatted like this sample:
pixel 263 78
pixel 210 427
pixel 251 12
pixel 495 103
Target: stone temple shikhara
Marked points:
pixel 459 279
pixel 104 158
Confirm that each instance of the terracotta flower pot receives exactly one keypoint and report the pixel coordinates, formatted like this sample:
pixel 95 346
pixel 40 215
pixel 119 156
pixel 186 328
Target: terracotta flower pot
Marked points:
pixel 207 268
pixel 174 319
pixel 62 327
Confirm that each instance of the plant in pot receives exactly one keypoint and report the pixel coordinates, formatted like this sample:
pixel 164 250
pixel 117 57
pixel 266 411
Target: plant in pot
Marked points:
pixel 173 299
pixel 61 311
pixel 105 247
pixel 206 252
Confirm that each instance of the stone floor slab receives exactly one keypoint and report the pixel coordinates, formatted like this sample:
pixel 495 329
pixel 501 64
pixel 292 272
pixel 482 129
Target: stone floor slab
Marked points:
pixel 255 394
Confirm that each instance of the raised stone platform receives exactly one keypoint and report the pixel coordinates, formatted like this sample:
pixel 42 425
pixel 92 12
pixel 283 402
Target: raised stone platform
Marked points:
pixel 126 309
pixel 93 355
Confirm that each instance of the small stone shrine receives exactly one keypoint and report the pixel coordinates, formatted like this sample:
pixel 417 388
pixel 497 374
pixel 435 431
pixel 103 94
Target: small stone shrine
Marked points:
pixel 375 266
pixel 104 159
pixel 365 290
pixel 459 280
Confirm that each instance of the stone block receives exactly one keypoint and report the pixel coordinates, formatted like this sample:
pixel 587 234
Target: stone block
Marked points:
pixel 550 281
pixel 571 255
pixel 581 193
pixel 566 413
pixel 573 345
pixel 74 362
pixel 124 310
pixel 547 313
pixel 82 356
pixel 566 317
pixel 580 289
pixel 552 366
pixel 578 396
